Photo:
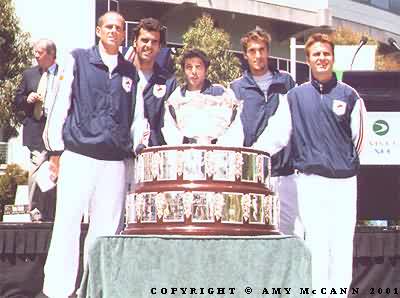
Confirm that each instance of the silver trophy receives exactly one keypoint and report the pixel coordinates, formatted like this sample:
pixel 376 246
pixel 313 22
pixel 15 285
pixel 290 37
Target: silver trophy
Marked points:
pixel 204 117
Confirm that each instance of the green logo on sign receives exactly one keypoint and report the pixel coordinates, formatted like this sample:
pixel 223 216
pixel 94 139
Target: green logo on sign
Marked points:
pixel 380 127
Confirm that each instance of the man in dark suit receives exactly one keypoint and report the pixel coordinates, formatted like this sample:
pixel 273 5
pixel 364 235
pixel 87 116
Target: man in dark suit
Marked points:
pixel 35 96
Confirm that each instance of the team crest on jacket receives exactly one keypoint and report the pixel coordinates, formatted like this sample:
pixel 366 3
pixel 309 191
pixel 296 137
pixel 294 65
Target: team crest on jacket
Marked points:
pixel 339 107
pixel 127 84
pixel 159 90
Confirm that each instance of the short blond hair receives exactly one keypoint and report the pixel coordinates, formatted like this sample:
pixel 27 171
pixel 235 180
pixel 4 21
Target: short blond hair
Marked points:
pixel 101 19
pixel 256 34
pixel 318 37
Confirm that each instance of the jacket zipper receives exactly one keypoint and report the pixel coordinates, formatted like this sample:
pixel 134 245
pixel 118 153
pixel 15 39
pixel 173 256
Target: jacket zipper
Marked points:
pixel 320 90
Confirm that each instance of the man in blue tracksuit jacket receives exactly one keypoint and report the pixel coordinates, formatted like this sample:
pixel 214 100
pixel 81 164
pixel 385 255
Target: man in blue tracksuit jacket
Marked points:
pixel 89 124
pixel 195 64
pixel 266 116
pixel 155 85
pixel 327 138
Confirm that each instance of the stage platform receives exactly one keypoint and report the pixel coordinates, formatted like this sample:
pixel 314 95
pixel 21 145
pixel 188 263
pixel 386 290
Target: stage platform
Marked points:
pixel 23 250
pixel 376 262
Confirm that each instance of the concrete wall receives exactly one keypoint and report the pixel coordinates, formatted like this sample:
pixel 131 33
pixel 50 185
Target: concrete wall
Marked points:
pixel 305 13
pixel 311 5
pixel 178 21
pixel 379 23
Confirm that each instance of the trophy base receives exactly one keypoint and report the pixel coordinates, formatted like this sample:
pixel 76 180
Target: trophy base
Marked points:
pixel 202 190
pixel 200 229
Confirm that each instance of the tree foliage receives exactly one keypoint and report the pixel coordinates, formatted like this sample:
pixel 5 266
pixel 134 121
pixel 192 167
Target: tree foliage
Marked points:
pixel 389 62
pixel 383 60
pixel 13 176
pixel 215 42
pixel 16 55
pixel 346 36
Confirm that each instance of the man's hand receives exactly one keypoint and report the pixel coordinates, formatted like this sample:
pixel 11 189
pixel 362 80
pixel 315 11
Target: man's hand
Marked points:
pixel 33 97
pixel 146 133
pixel 54 166
pixel 145 138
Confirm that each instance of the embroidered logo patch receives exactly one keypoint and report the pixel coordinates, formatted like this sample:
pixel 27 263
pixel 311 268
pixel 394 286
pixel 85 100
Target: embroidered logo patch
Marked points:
pixel 159 90
pixel 339 107
pixel 127 84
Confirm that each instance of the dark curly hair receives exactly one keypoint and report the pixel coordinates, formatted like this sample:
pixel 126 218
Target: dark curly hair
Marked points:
pixel 192 53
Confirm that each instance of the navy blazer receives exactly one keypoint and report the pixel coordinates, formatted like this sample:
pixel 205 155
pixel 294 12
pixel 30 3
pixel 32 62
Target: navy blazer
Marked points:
pixel 32 128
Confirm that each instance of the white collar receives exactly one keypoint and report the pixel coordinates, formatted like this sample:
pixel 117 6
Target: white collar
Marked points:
pixel 52 68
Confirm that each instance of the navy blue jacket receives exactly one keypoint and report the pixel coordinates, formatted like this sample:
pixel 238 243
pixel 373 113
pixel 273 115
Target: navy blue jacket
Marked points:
pixel 208 88
pixel 257 111
pixel 32 128
pixel 157 91
pixel 322 137
pixel 99 120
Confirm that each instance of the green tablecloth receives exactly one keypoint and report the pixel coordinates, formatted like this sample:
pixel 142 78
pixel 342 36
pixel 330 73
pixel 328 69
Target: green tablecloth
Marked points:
pixel 143 266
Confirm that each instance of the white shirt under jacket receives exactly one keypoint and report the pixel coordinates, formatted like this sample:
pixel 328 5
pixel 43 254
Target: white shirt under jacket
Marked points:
pixel 277 133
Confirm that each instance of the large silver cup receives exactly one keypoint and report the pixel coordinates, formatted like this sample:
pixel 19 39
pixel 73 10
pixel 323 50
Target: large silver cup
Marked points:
pixel 204 117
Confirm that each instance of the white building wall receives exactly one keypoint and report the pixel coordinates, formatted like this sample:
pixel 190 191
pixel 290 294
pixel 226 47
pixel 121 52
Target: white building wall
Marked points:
pixel 308 12
pixel 365 15
pixel 311 5
pixel 70 24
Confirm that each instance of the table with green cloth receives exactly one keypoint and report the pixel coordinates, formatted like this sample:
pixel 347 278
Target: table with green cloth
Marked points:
pixel 190 266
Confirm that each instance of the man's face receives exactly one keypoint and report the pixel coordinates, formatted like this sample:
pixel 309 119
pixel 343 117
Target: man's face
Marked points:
pixel 111 33
pixel 321 59
pixel 195 73
pixel 44 59
pixel 147 46
pixel 257 57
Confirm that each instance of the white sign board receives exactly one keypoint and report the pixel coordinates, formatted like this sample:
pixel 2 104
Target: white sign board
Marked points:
pixel 364 60
pixel 382 145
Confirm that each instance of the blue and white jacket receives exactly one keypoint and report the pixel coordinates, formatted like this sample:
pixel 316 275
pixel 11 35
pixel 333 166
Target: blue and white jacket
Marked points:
pixel 267 123
pixel 93 111
pixel 159 88
pixel 328 128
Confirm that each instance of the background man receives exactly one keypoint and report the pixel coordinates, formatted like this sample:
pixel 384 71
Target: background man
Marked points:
pixel 90 123
pixel 328 118
pixel 35 96
pixel 266 115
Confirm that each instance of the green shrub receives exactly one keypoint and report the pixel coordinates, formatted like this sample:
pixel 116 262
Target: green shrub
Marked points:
pixel 215 42
pixel 13 176
pixel 16 54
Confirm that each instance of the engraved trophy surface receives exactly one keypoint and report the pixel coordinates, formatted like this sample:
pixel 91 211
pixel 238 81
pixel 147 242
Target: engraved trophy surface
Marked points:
pixel 196 189
pixel 204 117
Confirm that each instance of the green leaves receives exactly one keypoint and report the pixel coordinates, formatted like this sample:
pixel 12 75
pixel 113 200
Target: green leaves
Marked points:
pixel 14 175
pixel 16 55
pixel 215 42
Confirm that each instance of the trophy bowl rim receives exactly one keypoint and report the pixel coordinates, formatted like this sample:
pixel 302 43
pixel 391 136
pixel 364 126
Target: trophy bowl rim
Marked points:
pixel 203 147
